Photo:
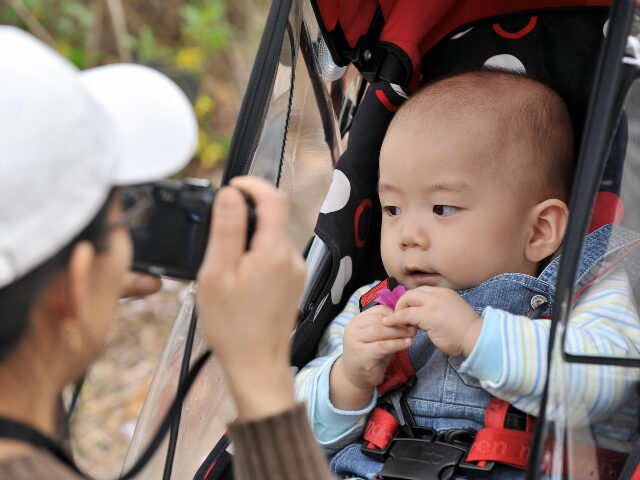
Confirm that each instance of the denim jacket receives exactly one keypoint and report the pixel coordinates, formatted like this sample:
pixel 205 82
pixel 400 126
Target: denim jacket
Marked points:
pixel 444 397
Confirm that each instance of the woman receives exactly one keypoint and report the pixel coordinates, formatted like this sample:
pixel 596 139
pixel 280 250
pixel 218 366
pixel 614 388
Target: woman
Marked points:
pixel 68 139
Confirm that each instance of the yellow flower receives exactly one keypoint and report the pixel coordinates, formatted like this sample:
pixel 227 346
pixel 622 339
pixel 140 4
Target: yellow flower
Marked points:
pixel 189 58
pixel 211 154
pixel 204 104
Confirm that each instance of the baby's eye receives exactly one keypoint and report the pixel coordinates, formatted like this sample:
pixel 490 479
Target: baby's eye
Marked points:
pixel 444 210
pixel 391 211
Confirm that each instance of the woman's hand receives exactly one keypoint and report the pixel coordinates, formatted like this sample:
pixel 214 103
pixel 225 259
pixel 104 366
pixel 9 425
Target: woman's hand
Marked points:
pixel 247 300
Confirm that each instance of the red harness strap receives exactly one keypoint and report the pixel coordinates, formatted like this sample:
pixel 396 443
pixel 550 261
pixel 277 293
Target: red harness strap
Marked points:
pixel 382 426
pixel 636 473
pixel 372 294
pixel 511 447
pixel 398 372
pixel 498 444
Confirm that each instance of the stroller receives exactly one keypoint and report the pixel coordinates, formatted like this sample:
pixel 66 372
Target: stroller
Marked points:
pixel 360 58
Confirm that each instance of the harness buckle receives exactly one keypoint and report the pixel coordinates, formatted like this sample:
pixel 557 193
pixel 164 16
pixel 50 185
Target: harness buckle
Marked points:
pixel 421 434
pixel 417 459
pixel 398 400
pixel 427 455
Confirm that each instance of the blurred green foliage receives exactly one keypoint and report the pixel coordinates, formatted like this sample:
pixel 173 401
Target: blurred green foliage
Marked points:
pixel 192 41
pixel 66 21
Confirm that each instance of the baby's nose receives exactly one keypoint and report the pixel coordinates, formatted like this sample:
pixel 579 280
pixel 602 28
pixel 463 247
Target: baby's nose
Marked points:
pixel 414 236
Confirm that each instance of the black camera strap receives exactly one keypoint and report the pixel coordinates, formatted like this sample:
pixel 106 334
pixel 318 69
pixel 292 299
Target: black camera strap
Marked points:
pixel 15 430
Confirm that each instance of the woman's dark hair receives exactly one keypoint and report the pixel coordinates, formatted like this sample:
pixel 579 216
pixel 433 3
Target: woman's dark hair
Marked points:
pixel 17 298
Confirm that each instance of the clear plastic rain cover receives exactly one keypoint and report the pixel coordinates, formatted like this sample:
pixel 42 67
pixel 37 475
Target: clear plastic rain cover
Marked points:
pixel 593 409
pixel 301 110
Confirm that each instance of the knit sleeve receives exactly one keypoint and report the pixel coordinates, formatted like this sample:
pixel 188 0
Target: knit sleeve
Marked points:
pixel 280 447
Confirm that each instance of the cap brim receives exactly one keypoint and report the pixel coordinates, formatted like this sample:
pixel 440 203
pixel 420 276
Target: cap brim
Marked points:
pixel 153 121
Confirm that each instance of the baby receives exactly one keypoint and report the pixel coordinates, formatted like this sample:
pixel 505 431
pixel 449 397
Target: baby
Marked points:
pixel 475 171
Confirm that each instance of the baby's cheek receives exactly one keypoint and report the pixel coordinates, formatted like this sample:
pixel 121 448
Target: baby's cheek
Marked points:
pixel 390 259
pixel 469 269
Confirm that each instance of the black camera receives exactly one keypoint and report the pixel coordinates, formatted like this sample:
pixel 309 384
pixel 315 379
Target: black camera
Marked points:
pixel 172 236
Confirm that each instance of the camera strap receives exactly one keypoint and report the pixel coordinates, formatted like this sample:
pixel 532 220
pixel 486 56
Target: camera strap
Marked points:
pixel 16 430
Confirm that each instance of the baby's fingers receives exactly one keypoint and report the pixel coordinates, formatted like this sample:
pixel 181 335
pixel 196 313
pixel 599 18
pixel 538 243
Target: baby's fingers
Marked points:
pixel 414 298
pixel 409 318
pixel 372 315
pixel 389 347
pixel 380 332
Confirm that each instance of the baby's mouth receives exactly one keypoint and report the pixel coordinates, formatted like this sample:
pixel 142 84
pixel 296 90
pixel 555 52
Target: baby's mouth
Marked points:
pixel 423 277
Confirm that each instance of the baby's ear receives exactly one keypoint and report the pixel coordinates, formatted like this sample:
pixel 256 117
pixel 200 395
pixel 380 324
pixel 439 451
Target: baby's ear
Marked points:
pixel 548 223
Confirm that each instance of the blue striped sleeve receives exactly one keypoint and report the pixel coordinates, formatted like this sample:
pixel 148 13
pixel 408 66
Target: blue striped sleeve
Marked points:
pixel 603 322
pixel 485 361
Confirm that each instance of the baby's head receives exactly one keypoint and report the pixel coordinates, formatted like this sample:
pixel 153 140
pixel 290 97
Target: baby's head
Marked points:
pixel 475 171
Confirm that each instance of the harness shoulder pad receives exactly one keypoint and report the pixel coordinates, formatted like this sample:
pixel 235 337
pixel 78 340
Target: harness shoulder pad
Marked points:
pixel 368 299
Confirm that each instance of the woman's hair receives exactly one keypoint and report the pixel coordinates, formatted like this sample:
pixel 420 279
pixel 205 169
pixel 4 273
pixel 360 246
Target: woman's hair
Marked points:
pixel 17 299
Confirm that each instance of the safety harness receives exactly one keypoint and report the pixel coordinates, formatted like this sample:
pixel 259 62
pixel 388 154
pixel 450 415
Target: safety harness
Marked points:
pixel 412 452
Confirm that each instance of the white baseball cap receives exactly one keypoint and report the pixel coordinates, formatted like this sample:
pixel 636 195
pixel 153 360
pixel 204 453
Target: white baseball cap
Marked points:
pixel 67 137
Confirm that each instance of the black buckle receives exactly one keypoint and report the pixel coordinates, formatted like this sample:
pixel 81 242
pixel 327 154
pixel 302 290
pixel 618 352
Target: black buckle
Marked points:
pixel 431 457
pixel 416 459
pixel 398 400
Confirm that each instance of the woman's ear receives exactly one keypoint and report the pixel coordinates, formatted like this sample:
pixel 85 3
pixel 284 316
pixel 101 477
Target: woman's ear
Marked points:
pixel 63 297
pixel 79 270
pixel 549 221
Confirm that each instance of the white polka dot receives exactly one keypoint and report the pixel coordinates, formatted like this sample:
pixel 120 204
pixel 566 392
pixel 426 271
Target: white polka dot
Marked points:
pixel 462 34
pixel 338 195
pixel 342 278
pixel 506 62
pixel 605 28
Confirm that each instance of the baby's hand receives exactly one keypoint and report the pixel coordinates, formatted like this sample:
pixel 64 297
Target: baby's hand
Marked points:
pixel 369 345
pixel 452 325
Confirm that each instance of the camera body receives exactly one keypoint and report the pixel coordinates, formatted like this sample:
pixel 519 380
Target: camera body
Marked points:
pixel 172 238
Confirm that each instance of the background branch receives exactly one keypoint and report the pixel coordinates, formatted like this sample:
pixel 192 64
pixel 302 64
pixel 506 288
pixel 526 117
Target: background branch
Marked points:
pixel 116 11
pixel 32 23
